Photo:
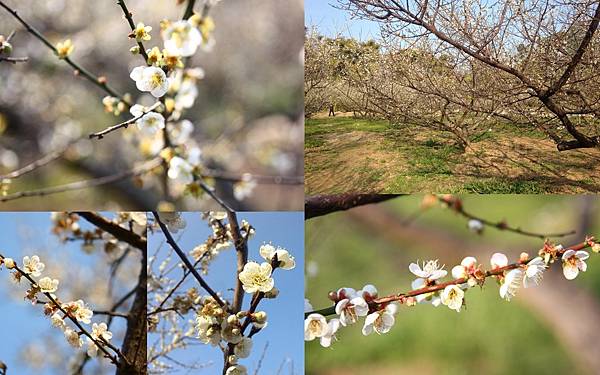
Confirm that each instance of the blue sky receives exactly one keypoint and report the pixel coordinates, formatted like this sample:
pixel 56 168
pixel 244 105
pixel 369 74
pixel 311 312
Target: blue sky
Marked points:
pixel 29 233
pixel 285 314
pixel 331 21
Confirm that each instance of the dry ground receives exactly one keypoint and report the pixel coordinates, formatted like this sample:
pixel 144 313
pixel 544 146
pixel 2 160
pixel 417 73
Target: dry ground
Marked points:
pixel 345 154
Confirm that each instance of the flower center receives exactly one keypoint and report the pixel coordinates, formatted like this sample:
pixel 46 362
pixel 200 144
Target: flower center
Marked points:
pixel 315 327
pixel 156 79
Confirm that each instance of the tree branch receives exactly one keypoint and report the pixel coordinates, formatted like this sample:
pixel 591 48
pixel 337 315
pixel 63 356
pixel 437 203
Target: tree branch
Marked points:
pixel 320 205
pixel 116 230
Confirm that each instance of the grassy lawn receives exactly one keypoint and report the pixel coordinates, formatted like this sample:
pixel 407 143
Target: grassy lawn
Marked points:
pixel 346 154
pixel 490 336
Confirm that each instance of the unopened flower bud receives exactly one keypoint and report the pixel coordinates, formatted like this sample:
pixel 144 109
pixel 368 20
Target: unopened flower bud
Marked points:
pixel 10 263
pixel 596 248
pixel 524 257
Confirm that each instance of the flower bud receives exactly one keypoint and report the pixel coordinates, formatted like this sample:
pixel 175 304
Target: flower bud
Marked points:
pixel 524 257
pixel 10 263
pixel 596 248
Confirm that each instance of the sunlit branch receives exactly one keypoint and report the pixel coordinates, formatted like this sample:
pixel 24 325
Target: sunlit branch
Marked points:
pixel 379 303
pixel 79 185
pixel 123 124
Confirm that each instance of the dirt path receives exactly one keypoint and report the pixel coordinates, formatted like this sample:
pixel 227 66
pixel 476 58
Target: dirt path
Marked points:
pixel 353 161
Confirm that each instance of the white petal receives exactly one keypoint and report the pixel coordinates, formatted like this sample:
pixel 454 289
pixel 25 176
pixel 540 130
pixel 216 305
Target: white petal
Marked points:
pixel 570 271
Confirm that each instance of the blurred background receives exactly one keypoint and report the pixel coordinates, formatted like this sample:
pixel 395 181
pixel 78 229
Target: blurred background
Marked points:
pixel 550 329
pixel 29 344
pixel 279 344
pixel 248 115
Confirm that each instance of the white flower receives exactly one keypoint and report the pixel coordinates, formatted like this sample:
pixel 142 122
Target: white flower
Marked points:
pixel 243 348
pixel 141 32
pixel 73 338
pixel 100 331
pixel 208 331
pixel 182 38
pixel 257 278
pixel 512 282
pixel 150 79
pixel 467 265
pixel 307 306
pixel 9 263
pixel 380 321
pixel 286 261
pixel 48 285
pixel 79 311
pixel 573 262
pixel 315 325
pixel 244 188
pixel 33 266
pixel 452 296
pixel 475 225
pixel 231 330
pixel 430 271
pixel 57 321
pixel 368 292
pixel 498 260
pixel 236 370
pixel 149 123
pixel 180 132
pixel 333 326
pixel 92 349
pixel 349 309
pixel 180 170
pixel 427 276
pixel 534 271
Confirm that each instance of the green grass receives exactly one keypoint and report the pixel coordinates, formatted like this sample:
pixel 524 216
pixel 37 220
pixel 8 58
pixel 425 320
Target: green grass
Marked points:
pixel 421 160
pixel 490 336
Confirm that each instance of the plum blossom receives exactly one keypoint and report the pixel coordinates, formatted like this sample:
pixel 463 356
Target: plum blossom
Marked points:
pixel 498 260
pixel 327 338
pixel 182 38
pixel 427 276
pixel 180 170
pixel 315 326
pixel 150 79
pixel 148 122
pixel 173 221
pixel 231 330
pixel 380 321
pixel 465 270
pixel 257 277
pixel 9 263
pixel 243 348
pixel 141 33
pixel 573 262
pixel 33 266
pixel 534 271
pixel 48 285
pixel 57 321
pixel 452 296
pixel 73 338
pixel 286 261
pixel 512 282
pixel 475 225
pixel 236 369
pixel 351 306
pixel 208 331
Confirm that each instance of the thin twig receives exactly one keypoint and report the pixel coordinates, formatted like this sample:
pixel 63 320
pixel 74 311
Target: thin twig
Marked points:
pixel 14 60
pixel 136 171
pixel 123 124
pixel 171 241
pixel 380 302
pixel 123 234
pixel 456 205
pixel 101 83
pixel 260 179
pixel 129 18
pixel 241 247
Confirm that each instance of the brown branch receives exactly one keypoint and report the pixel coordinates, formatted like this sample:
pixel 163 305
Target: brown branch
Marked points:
pixel 260 179
pixel 115 229
pixel 101 83
pixel 241 248
pixel 100 344
pixel 123 124
pixel 378 303
pixel 134 344
pixel 146 167
pixel 171 241
pixel 129 18
pixel 14 60
pixel 320 205
pixel 46 159
pixel 456 205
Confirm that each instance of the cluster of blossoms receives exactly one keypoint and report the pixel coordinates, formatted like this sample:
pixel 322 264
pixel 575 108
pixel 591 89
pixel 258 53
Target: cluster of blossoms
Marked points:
pixel 428 288
pixel 162 130
pixel 66 227
pixel 60 313
pixel 217 325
